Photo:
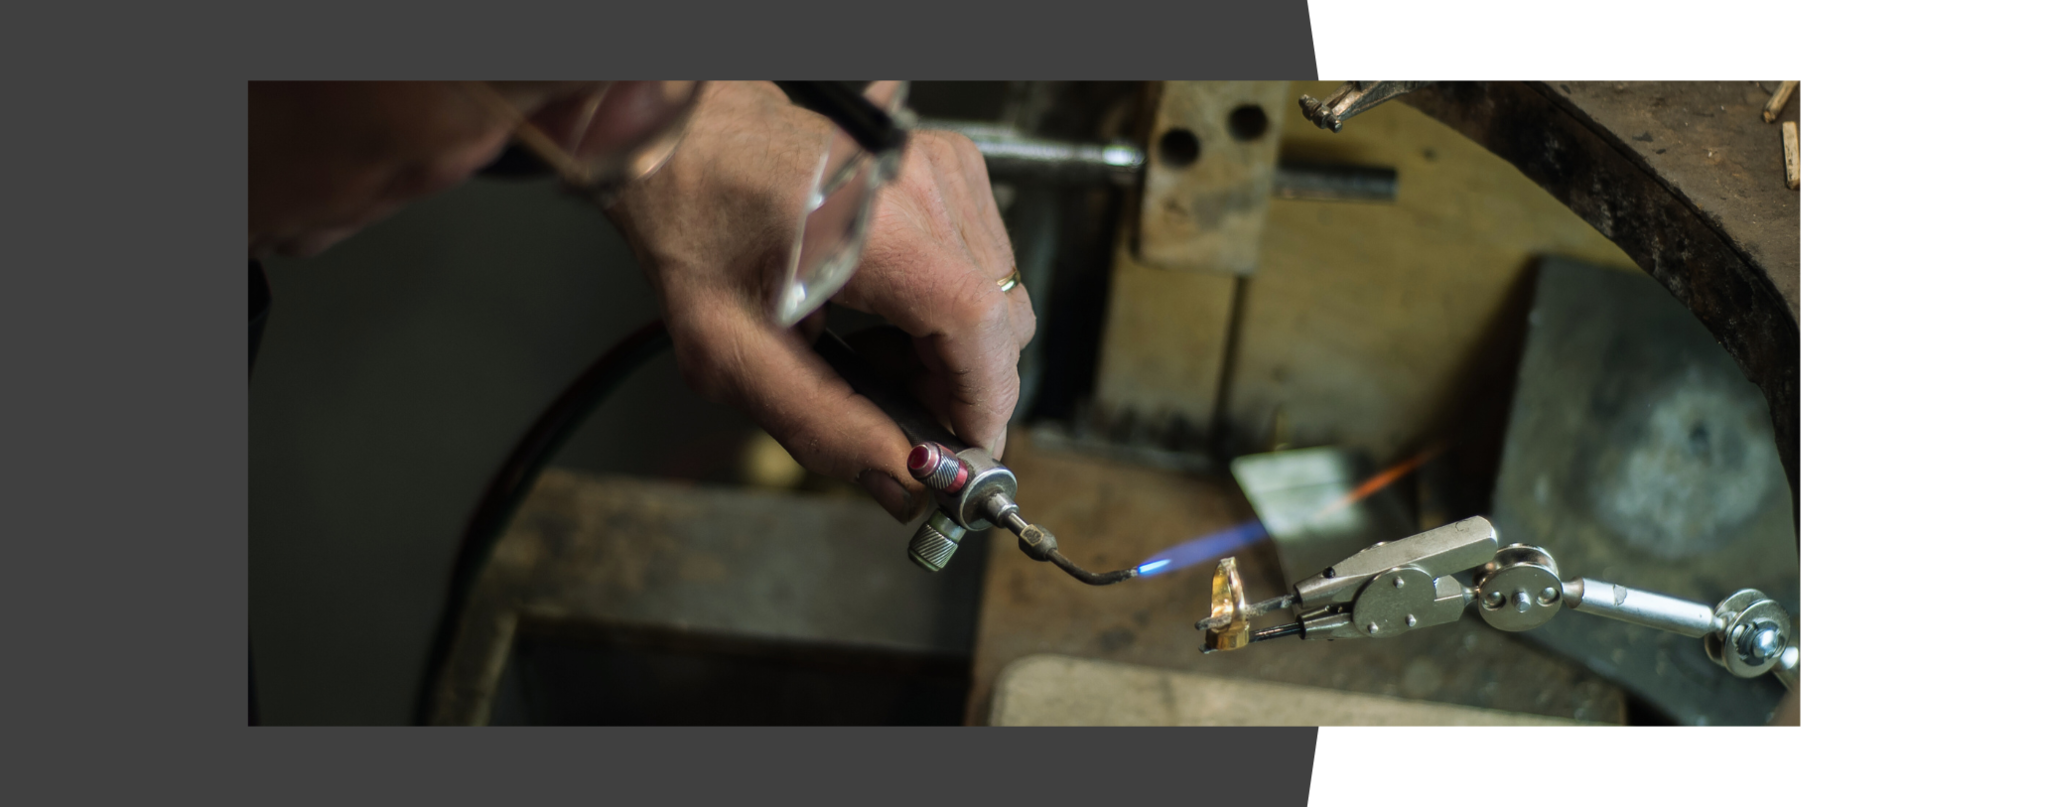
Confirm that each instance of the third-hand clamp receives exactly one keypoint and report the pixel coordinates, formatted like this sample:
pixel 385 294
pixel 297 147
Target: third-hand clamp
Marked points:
pixel 1393 587
pixel 971 491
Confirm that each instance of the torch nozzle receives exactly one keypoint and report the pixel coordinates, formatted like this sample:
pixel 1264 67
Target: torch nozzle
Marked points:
pixel 1015 523
pixel 1039 543
pixel 1085 576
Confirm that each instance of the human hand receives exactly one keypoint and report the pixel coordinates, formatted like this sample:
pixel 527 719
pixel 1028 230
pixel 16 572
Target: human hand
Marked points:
pixel 714 228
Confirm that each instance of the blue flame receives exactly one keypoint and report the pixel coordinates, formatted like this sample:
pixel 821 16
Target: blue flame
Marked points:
pixel 1206 548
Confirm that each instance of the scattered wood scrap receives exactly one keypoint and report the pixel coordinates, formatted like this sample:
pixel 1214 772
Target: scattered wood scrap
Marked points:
pixel 1792 155
pixel 1776 106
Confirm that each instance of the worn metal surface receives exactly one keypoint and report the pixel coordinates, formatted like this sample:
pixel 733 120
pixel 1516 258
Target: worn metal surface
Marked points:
pixel 1686 179
pixel 731 564
pixel 1110 514
pixel 1638 454
pixel 1051 690
pixel 1380 327
pixel 1209 173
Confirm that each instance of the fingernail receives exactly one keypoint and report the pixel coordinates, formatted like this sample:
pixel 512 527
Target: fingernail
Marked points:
pixel 890 494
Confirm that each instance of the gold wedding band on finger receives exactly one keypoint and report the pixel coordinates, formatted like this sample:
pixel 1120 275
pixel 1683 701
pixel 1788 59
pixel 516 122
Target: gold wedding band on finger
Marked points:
pixel 1010 280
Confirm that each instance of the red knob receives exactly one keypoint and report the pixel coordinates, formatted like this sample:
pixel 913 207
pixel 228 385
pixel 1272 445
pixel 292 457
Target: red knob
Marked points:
pixel 924 459
pixel 933 465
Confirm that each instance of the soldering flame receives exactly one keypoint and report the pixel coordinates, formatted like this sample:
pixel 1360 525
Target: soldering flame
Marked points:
pixel 1223 542
pixel 1206 548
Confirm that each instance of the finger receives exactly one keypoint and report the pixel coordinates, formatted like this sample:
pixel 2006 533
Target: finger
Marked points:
pixel 988 241
pixel 920 274
pixel 964 174
pixel 783 385
pixel 975 201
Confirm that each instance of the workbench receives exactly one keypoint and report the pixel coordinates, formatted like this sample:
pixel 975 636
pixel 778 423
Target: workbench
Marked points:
pixel 1111 515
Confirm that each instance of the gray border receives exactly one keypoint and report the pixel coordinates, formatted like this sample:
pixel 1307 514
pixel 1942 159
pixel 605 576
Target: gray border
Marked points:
pixel 800 39
pixel 130 282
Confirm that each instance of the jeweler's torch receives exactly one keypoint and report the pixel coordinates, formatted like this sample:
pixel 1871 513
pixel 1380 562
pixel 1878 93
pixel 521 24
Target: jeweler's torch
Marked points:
pixel 971 489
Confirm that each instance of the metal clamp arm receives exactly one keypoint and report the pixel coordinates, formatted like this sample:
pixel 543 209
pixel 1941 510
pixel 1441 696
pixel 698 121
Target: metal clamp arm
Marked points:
pixel 1646 608
pixel 1397 586
pixel 1748 633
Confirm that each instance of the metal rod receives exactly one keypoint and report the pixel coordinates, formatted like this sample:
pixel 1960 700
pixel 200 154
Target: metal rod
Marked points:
pixel 1275 632
pixel 1638 607
pixel 1012 154
pixel 1015 156
pixel 1333 182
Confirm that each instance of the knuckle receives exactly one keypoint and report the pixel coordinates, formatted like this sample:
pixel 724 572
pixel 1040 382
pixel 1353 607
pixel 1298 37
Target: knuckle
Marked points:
pixel 1027 324
pixel 979 308
pixel 948 141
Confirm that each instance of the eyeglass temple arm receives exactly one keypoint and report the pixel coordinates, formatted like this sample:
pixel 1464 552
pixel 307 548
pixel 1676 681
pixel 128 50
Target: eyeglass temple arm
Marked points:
pixel 866 123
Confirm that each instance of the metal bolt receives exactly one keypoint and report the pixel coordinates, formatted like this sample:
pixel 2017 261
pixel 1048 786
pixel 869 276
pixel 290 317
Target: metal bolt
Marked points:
pixel 1761 641
pixel 1372 627
pixel 1548 596
pixel 1522 603
pixel 1411 620
pixel 1495 599
pixel 1399 581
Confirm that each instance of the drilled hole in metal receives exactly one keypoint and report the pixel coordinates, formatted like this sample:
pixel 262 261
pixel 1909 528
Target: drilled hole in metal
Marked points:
pixel 1179 148
pixel 1248 122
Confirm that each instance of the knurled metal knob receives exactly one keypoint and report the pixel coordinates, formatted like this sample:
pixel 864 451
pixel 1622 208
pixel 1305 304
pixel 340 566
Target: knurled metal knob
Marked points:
pixel 935 542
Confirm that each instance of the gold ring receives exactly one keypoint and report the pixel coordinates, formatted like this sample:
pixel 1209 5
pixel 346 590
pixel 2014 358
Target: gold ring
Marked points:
pixel 1011 280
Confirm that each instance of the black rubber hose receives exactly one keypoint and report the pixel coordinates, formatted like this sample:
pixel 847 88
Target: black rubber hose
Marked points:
pixel 514 478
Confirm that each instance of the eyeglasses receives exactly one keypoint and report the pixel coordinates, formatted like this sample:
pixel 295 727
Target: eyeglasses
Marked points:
pixel 841 203
pixel 616 133
pixel 605 137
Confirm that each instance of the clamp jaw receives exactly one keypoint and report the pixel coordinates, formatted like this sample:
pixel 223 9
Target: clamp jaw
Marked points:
pixel 1356 96
pixel 1397 586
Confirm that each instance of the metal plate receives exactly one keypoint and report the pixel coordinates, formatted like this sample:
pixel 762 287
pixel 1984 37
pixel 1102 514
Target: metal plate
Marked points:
pixel 1638 453
pixel 1292 492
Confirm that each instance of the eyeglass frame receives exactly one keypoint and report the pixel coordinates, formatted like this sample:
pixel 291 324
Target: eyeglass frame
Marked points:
pixel 879 132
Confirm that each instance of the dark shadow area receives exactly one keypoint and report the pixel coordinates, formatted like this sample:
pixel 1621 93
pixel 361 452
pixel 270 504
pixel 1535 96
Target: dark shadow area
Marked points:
pixel 566 674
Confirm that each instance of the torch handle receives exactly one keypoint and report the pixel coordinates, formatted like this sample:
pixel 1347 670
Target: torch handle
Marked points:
pixel 912 417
